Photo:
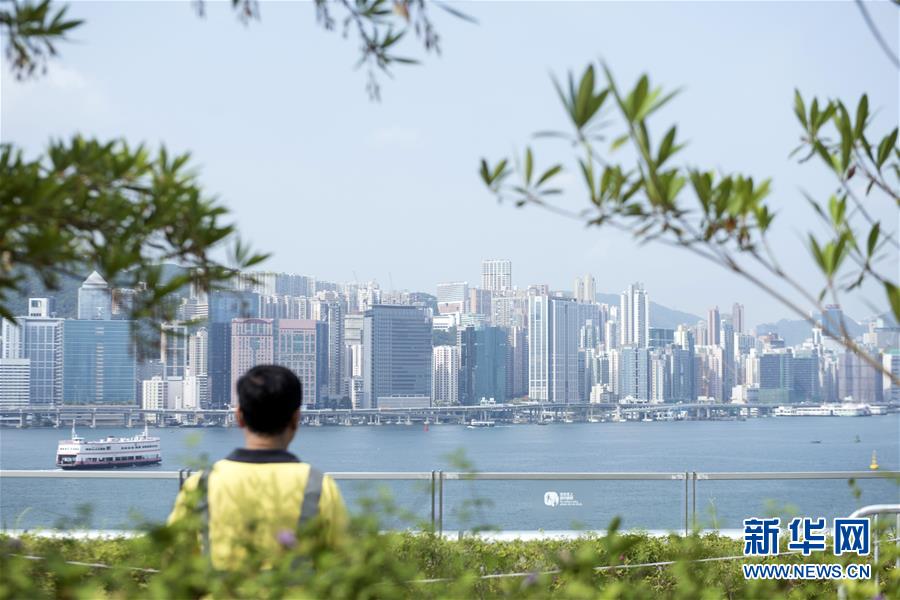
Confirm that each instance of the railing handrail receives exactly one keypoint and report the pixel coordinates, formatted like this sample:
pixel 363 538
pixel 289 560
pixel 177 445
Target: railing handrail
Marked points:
pixel 876 509
pixel 488 475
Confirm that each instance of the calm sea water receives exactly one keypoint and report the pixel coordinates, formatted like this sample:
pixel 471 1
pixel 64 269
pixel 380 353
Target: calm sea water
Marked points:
pixel 704 446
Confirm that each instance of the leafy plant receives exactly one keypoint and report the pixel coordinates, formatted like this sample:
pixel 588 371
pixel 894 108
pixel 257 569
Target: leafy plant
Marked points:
pixel 724 218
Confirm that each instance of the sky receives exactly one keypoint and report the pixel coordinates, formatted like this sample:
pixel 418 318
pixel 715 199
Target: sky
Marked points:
pixel 342 188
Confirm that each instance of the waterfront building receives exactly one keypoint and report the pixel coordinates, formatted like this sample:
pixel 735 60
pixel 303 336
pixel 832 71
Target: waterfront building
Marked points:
pixel 10 339
pixel 155 394
pixel 553 329
pixel 858 379
pixel 445 376
pixel 776 377
pixel 224 305
pixel 94 299
pixel 173 349
pixel 397 352
pixel 15 384
pixel 635 382
pixel 42 345
pixel 302 345
pixel 251 345
pixel 517 363
pixel 98 363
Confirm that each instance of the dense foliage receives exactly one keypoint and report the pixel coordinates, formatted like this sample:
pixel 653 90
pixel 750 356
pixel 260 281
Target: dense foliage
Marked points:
pixel 396 565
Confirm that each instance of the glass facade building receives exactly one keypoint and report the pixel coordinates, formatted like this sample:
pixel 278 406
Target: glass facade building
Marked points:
pixel 396 354
pixel 98 363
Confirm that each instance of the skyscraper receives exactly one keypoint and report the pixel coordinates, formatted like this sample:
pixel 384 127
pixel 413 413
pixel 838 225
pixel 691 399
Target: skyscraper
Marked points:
pixel 713 326
pixel 396 356
pixel 98 363
pixel 224 306
pixel 585 289
pixel 42 344
pixel 634 317
pixel 251 345
pixel 737 317
pixel 302 345
pixel 553 332
pixel 94 299
pixel 445 376
pixel 496 275
pixel 173 349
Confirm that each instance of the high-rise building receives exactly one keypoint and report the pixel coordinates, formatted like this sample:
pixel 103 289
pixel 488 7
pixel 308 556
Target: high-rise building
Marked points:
pixel 483 361
pixel 302 345
pixel 585 289
pixel 737 317
pixel 553 333
pixel 42 344
pixel 98 363
pixel 173 349
pixel 805 386
pixel 15 385
pixel 517 363
pixel 776 377
pixel 480 302
pixel 891 365
pixel 198 352
pixel 859 380
pixel 445 376
pixel 224 306
pixel 496 275
pixel 452 297
pixel 155 395
pixel 833 321
pixel 337 386
pixel 94 299
pixel 10 339
pixel 251 345
pixel 397 360
pixel 661 337
pixel 713 326
pixel 634 317
pixel 634 374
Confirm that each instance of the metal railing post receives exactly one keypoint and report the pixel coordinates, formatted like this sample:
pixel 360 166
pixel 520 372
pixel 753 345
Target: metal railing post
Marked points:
pixel 432 501
pixel 685 503
pixel 441 503
pixel 694 500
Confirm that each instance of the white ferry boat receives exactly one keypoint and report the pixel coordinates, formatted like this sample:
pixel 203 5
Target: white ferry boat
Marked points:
pixel 78 453
pixel 475 424
pixel 824 410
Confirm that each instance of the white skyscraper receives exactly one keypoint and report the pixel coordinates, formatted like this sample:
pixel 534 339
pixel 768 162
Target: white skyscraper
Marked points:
pixel 445 376
pixel 10 339
pixel 634 317
pixel 496 275
pixel 585 289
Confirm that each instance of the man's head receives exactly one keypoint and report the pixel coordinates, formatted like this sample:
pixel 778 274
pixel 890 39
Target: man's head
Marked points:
pixel 269 399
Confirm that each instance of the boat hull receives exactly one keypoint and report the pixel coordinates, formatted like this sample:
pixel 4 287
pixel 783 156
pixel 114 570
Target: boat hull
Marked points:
pixel 109 465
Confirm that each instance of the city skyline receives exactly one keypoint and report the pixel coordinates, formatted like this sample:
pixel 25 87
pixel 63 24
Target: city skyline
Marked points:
pixel 284 171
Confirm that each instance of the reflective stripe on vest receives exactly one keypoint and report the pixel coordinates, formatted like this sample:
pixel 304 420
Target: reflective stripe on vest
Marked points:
pixel 309 508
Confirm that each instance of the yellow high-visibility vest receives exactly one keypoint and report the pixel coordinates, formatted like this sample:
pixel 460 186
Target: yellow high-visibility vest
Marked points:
pixel 257 499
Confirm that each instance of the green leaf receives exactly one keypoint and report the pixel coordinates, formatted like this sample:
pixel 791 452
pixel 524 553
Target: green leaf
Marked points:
pixel 799 108
pixel 872 242
pixel 862 114
pixel 529 165
pixel 885 147
pixel 549 173
pixel 893 294
pixel 618 142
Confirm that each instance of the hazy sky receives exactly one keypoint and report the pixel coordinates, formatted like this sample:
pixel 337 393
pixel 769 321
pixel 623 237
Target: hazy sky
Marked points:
pixel 340 187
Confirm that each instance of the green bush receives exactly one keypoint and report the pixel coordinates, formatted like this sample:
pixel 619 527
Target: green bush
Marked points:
pixel 166 563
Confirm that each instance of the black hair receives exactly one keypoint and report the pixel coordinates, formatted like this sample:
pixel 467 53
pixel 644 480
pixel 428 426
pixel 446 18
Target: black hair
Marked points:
pixel 268 396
